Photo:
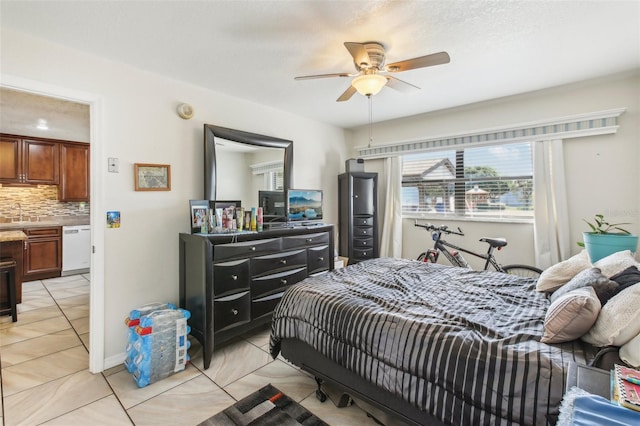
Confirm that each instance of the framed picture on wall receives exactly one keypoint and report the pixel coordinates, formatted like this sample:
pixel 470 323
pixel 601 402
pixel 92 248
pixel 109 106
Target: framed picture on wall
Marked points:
pixel 152 177
pixel 198 213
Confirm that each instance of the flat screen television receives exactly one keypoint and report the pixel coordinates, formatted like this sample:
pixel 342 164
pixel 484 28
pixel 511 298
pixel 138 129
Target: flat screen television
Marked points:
pixel 272 203
pixel 304 205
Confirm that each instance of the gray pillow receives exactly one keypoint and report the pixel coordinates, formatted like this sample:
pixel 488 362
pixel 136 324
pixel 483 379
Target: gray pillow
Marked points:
pixel 591 276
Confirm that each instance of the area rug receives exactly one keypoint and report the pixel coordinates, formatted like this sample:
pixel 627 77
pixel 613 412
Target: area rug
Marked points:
pixel 265 407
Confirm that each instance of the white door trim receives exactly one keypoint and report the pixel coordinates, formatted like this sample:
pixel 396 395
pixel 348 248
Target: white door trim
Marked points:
pixel 96 302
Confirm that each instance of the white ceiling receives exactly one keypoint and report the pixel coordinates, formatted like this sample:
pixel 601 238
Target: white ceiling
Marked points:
pixel 254 49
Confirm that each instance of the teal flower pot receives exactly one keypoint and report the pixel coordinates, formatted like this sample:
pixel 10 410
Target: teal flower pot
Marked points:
pixel 602 245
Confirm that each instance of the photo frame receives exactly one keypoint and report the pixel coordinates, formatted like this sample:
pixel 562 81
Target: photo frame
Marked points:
pixel 223 204
pixel 198 213
pixel 152 177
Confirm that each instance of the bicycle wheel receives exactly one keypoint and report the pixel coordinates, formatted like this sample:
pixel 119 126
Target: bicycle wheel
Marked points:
pixel 522 271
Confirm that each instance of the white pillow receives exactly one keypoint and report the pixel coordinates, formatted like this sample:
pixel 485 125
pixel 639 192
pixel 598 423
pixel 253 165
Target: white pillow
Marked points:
pixel 561 273
pixel 630 352
pixel 571 315
pixel 619 319
pixel 615 263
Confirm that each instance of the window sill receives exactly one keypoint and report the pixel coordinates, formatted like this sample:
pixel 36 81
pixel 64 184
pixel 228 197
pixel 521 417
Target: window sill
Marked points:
pixel 456 218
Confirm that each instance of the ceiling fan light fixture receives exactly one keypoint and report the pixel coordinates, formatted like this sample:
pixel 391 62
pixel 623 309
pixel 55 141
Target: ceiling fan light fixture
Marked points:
pixel 369 84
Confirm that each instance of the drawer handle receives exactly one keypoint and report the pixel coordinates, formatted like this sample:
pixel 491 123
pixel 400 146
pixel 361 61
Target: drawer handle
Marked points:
pixel 355 195
pixel 234 311
pixel 283 261
pixel 234 277
pixel 364 222
pixel 364 232
pixel 253 248
pixel 364 243
pixel 321 259
pixel 364 253
pixel 309 240
pixel 283 281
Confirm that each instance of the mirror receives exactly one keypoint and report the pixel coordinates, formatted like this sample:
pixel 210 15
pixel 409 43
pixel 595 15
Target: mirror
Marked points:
pixel 239 164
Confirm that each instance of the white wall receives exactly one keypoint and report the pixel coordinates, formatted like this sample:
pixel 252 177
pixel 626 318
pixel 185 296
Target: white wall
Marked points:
pixel 138 123
pixel 602 172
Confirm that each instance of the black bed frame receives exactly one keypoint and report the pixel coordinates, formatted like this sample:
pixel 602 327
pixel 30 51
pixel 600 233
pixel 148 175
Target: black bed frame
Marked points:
pixel 313 362
pixel 323 369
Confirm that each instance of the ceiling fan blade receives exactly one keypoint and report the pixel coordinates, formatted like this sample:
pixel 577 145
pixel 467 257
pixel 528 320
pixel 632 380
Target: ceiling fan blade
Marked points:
pixel 309 77
pixel 420 62
pixel 347 94
pixel 359 53
pixel 400 85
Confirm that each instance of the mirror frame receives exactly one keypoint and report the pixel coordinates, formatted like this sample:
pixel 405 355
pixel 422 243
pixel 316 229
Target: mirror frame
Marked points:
pixel 212 132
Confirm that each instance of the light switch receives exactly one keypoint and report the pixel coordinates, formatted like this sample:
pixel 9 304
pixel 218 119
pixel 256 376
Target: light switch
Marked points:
pixel 113 165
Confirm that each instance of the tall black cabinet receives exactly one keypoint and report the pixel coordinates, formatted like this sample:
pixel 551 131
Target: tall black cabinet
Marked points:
pixel 358 211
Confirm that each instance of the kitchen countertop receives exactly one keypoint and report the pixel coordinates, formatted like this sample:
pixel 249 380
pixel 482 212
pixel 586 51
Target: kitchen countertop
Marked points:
pixel 46 221
pixel 7 236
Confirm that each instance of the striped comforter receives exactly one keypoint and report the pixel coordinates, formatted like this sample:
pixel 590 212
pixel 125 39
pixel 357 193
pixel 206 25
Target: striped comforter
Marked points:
pixel 460 344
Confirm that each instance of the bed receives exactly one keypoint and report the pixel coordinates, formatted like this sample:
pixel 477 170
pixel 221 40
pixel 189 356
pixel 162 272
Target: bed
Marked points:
pixel 428 343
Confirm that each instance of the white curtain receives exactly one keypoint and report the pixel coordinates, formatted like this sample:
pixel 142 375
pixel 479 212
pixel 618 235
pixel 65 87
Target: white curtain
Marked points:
pixel 391 239
pixel 551 229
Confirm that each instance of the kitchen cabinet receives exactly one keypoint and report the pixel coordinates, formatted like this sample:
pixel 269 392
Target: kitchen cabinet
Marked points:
pixel 74 172
pixel 28 161
pixel 12 250
pixel 42 256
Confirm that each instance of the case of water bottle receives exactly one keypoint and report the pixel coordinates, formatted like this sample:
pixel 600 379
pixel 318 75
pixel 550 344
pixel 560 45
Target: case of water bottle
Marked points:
pixel 157 342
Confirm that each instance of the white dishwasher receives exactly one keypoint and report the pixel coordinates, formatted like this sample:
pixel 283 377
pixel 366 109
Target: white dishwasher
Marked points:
pixel 76 249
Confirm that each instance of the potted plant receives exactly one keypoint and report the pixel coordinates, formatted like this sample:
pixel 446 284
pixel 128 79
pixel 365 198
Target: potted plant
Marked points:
pixel 606 238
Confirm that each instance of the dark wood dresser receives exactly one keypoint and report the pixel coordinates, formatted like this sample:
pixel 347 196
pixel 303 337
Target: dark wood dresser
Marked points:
pixel 232 282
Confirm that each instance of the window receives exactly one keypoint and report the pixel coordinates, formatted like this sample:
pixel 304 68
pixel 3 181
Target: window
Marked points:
pixel 494 181
pixel 275 180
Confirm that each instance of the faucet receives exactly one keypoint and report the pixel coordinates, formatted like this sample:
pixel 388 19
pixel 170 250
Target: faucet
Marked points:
pixel 19 207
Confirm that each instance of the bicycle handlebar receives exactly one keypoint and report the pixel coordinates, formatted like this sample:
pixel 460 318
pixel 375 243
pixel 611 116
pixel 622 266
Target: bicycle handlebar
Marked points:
pixel 444 228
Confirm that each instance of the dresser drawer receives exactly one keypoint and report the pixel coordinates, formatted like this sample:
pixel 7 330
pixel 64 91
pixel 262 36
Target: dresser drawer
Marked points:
pixel 265 305
pixel 247 248
pixel 363 221
pixel 305 240
pixel 263 265
pixel 362 254
pixel 318 259
pixel 268 284
pixel 230 276
pixel 231 310
pixel 363 242
pixel 363 231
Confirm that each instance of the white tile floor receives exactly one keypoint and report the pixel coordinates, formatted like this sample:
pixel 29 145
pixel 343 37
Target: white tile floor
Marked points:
pixel 45 377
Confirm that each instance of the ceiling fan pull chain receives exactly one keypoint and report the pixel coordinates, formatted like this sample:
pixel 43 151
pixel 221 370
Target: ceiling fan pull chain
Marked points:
pixel 370 120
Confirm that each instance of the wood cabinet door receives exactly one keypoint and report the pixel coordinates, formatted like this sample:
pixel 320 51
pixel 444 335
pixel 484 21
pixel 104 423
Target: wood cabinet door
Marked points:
pixel 10 160
pixel 40 162
pixel 42 257
pixel 74 173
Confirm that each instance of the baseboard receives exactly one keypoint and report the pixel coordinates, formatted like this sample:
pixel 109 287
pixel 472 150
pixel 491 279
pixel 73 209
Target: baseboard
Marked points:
pixel 75 272
pixel 114 360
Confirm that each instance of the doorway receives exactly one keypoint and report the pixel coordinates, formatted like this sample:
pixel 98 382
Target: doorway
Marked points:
pixel 96 299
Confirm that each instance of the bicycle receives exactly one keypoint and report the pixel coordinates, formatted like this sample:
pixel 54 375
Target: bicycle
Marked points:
pixel 456 259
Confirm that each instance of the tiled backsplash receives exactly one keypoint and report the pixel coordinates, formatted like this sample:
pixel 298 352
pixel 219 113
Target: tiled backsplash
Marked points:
pixel 41 200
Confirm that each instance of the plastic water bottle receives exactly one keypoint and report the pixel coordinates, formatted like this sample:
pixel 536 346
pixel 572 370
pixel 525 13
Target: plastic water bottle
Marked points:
pixel 132 321
pixel 151 307
pixel 161 346
pixel 461 260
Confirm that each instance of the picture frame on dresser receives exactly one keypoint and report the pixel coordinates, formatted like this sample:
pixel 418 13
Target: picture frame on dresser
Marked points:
pixel 224 204
pixel 198 214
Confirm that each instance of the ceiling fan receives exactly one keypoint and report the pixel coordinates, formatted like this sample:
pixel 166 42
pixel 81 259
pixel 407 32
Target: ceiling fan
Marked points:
pixel 371 75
